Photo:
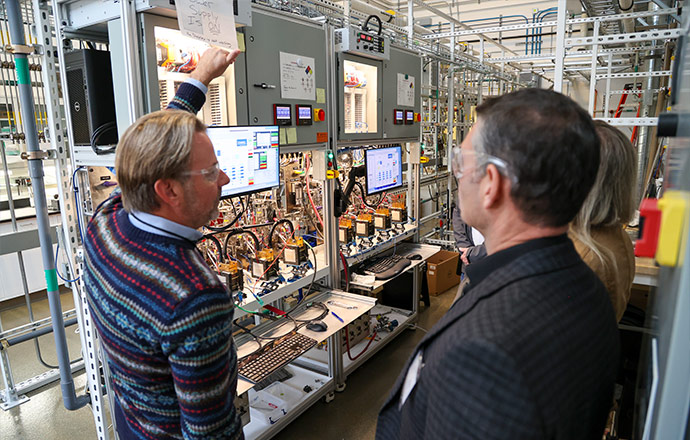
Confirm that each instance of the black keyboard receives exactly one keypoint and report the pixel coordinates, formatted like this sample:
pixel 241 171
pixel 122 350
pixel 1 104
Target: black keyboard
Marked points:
pixel 388 267
pixel 276 355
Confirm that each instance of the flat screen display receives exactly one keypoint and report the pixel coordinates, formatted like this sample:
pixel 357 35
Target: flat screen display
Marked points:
pixel 249 155
pixel 304 112
pixel 283 112
pixel 383 169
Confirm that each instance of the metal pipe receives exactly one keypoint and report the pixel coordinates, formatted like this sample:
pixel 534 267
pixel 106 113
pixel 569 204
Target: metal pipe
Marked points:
pixel 647 108
pixel 33 334
pixel 560 46
pixel 70 399
pixel 20 255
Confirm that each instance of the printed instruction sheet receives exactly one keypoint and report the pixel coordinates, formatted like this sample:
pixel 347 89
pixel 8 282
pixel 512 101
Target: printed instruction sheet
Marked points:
pixel 406 90
pixel 297 77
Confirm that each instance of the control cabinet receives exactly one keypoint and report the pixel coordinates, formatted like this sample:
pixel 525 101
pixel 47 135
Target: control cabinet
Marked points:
pixel 402 75
pixel 379 99
pixel 287 77
pixel 357 41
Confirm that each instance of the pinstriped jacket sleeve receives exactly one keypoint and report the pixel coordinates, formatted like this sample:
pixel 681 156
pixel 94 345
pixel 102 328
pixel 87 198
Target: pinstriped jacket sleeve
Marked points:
pixel 199 346
pixel 489 398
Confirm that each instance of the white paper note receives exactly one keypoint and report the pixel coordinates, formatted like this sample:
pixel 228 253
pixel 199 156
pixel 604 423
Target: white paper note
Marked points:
pixel 211 21
pixel 297 77
pixel 405 90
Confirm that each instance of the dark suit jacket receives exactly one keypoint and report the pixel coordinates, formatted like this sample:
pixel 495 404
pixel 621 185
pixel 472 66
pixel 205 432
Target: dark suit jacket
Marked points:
pixel 530 352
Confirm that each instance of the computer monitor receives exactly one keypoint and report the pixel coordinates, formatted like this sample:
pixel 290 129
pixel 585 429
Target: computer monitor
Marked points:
pixel 383 169
pixel 249 155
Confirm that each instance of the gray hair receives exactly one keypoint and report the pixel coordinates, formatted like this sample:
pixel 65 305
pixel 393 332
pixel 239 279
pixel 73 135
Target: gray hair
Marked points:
pixel 550 149
pixel 157 146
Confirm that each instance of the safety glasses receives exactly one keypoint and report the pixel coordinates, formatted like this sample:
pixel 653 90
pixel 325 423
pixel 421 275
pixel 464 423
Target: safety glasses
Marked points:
pixel 211 173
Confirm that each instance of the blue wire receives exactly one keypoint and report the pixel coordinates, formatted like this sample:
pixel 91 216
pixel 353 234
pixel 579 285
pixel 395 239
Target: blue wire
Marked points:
pixel 75 189
pixel 57 270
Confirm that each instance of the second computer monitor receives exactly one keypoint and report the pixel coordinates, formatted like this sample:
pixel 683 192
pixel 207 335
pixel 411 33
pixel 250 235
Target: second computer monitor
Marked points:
pixel 249 155
pixel 383 169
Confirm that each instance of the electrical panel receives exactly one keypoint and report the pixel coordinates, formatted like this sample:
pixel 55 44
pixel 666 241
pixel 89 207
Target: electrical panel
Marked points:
pixel 359 42
pixel 379 99
pixel 287 78
pixel 401 94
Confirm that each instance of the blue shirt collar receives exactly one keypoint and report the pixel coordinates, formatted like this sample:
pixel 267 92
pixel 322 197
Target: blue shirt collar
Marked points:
pixel 160 226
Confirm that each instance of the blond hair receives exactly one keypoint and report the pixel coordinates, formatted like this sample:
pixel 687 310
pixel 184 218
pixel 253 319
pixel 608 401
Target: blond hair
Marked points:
pixel 611 201
pixel 157 146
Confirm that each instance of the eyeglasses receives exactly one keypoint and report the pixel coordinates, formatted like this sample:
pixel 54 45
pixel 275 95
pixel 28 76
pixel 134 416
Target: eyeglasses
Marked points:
pixel 481 160
pixel 211 173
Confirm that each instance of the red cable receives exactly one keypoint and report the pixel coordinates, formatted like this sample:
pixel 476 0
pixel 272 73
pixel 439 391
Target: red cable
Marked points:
pixel 347 342
pixel 306 178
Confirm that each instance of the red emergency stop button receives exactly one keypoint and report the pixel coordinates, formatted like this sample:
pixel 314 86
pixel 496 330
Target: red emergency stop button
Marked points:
pixel 319 115
pixel 650 223
pixel 418 117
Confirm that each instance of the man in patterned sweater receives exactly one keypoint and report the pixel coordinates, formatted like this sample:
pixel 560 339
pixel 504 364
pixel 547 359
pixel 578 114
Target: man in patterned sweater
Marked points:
pixel 164 319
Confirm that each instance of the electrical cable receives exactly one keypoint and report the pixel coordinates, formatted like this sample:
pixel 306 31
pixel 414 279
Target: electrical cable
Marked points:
pixel 219 247
pixel 275 225
pixel 347 343
pixel 269 338
pixel 234 232
pixel 313 278
pixel 57 270
pixel 347 273
pixel 97 133
pixel 306 177
pixel 229 225
pixel 256 339
pixel 365 26
pixel 324 312
pixel 364 196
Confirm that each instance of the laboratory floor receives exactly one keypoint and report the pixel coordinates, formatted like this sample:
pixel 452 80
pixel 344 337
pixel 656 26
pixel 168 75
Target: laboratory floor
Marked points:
pixel 351 415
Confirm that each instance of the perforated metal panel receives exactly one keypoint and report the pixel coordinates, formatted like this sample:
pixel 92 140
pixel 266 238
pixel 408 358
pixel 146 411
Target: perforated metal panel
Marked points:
pixel 163 93
pixel 214 101
pixel 77 107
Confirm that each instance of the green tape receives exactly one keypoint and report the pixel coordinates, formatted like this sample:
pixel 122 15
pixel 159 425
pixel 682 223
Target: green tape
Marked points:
pixel 51 280
pixel 22 66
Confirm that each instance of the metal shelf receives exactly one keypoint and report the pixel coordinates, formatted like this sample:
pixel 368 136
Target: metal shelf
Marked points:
pixel 251 304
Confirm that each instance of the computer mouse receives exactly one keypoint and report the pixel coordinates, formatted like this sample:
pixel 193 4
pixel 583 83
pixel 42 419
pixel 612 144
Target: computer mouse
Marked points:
pixel 317 326
pixel 414 257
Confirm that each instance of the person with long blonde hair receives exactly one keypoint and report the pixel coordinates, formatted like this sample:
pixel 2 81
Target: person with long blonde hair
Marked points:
pixel 597 230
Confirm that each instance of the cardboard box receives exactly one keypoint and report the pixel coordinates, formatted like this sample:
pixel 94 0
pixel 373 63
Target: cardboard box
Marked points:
pixel 441 272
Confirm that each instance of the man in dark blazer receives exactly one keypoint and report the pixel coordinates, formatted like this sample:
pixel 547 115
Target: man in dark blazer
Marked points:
pixel 530 350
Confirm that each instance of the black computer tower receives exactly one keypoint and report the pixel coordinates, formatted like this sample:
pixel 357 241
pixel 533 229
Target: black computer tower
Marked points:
pixel 90 96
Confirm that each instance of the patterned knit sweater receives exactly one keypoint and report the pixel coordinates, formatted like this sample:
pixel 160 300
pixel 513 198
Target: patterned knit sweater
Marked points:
pixel 165 322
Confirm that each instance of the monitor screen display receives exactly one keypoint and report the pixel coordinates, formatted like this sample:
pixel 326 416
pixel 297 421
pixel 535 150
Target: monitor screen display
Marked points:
pixel 283 112
pixel 304 112
pixel 250 156
pixel 399 115
pixel 383 169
